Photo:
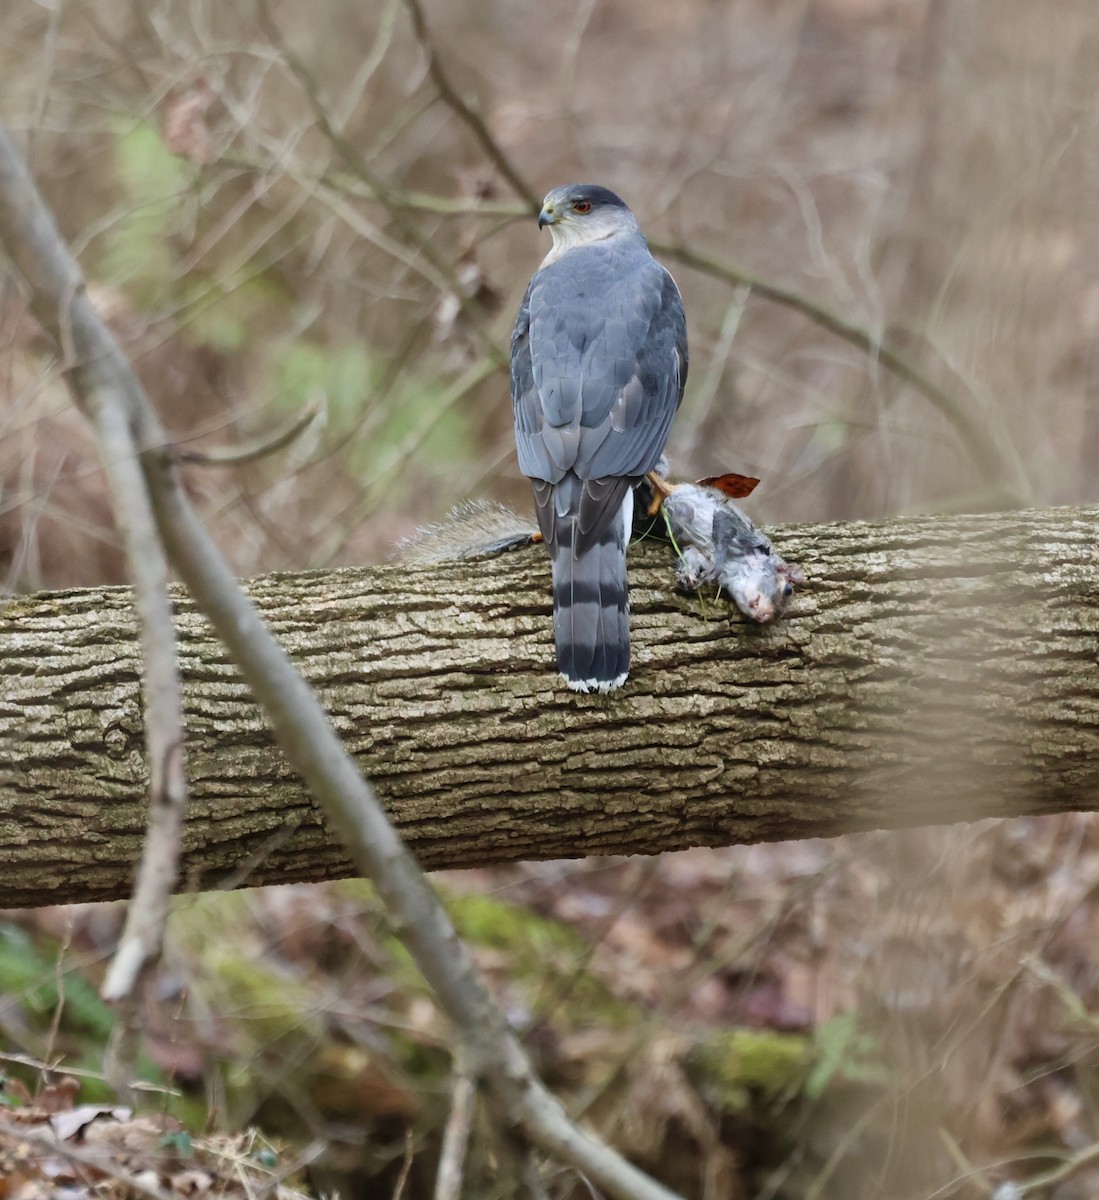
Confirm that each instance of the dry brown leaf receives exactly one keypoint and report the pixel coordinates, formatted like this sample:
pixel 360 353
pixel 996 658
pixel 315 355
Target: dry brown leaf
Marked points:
pixel 59 1096
pixel 735 486
pixel 137 1138
pixel 185 129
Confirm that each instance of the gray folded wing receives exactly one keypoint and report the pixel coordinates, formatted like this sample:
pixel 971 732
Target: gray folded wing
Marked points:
pixel 599 361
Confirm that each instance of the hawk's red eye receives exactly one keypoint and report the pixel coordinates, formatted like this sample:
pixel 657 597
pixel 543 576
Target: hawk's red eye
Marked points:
pixel 582 206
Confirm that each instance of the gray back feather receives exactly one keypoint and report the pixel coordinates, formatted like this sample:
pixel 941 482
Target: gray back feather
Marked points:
pixel 599 362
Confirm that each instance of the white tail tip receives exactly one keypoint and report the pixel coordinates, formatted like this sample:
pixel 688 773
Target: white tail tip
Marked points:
pixel 603 686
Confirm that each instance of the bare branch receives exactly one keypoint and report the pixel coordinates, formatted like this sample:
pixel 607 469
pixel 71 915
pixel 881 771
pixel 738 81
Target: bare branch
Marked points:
pixel 257 448
pixel 452 1156
pixel 385 193
pixel 311 745
pixel 472 119
pixel 392 196
pixel 59 302
pixel 49 65
pixel 1048 1179
pixel 986 450
pixel 142 938
pixel 406 1166
pixel 978 436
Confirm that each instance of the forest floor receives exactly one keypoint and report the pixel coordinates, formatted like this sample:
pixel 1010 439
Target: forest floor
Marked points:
pixel 903 1014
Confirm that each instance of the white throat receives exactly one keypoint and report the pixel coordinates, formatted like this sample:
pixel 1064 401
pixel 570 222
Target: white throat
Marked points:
pixel 569 234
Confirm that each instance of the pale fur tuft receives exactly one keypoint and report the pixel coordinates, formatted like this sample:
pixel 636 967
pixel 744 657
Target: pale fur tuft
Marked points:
pixel 472 529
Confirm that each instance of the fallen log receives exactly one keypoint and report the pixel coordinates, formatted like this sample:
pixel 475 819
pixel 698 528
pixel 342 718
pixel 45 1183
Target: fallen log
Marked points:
pixel 933 670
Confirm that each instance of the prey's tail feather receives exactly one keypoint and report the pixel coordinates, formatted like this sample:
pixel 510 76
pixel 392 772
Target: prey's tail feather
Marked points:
pixel 590 607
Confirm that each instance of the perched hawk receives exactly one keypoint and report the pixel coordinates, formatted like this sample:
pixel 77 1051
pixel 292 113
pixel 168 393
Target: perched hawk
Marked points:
pixel 598 364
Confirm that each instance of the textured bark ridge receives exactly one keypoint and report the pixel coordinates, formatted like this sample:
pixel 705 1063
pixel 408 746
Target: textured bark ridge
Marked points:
pixel 932 670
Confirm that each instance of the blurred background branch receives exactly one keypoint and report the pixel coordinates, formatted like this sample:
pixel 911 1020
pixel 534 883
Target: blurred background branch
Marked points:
pixel 531 199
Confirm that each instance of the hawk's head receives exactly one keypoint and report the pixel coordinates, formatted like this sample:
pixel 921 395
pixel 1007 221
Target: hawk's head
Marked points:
pixel 579 213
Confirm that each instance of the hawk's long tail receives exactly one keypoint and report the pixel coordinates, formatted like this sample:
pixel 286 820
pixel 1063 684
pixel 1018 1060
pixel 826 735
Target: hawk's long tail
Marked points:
pixel 591 622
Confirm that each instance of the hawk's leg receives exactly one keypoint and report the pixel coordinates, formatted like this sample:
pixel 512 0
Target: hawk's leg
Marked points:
pixel 662 489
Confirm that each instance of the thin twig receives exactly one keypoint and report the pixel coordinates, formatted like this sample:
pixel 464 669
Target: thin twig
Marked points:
pixel 406 1166
pixel 143 936
pixel 311 745
pixel 628 897
pixel 351 516
pixel 459 106
pixel 390 194
pixel 1049 1179
pixel 976 434
pixel 49 66
pixel 384 191
pixel 371 62
pixel 452 1157
pixel 257 448
pixel 698 403
pixel 238 877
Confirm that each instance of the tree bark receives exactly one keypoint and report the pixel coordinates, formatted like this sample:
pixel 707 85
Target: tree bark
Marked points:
pixel 932 670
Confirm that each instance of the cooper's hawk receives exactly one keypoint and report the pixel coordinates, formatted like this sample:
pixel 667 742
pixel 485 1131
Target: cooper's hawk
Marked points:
pixel 598 364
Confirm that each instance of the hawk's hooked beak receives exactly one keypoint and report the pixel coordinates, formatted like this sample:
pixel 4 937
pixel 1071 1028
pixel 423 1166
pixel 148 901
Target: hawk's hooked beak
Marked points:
pixel 546 217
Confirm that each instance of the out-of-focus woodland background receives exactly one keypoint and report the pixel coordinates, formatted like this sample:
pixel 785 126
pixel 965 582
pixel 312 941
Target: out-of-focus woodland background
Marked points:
pixel 902 1015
